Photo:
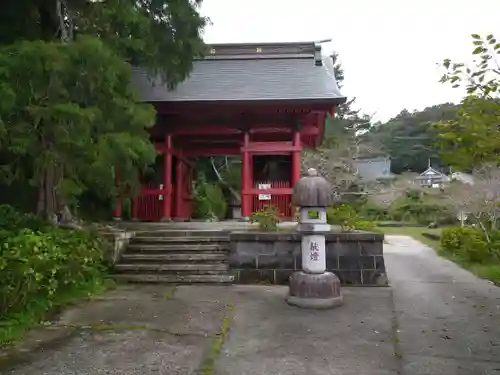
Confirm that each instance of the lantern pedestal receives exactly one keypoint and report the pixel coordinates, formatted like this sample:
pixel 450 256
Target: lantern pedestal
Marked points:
pixel 313 287
pixel 314 291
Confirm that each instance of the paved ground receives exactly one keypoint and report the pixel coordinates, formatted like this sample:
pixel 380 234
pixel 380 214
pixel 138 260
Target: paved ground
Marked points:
pixel 434 319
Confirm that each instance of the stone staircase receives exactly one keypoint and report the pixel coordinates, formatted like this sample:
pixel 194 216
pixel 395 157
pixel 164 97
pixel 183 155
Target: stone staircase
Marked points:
pixel 176 256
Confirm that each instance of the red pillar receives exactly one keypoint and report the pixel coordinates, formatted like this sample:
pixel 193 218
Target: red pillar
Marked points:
pixel 296 158
pixel 246 179
pixel 179 184
pixel 117 213
pixel 167 179
pixel 295 167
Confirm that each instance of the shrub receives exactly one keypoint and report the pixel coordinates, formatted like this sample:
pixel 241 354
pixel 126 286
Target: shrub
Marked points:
pixel 343 214
pixel 372 212
pixel 38 267
pixel 210 202
pixel 365 225
pixel 469 244
pixel 348 218
pixel 10 219
pixel 416 210
pixel 267 219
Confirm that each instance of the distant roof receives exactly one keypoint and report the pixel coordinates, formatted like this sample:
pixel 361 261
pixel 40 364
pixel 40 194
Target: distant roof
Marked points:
pixel 250 72
pixel 432 174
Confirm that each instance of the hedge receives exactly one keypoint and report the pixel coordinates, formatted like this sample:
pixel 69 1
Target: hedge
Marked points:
pixel 40 264
pixel 470 244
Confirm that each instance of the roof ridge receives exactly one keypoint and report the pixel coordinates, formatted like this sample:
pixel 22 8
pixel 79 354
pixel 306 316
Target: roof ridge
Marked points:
pixel 256 57
pixel 261 50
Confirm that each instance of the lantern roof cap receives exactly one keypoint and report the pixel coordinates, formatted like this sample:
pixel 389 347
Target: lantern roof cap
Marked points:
pixel 312 191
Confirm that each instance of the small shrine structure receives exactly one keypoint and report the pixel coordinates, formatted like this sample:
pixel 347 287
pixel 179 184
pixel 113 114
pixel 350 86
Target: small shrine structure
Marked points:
pixel 265 102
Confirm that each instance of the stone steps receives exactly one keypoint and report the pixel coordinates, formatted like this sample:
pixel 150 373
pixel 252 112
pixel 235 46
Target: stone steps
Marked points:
pixel 181 233
pixel 176 257
pixel 177 240
pixel 184 257
pixel 175 268
pixel 178 248
pixel 175 279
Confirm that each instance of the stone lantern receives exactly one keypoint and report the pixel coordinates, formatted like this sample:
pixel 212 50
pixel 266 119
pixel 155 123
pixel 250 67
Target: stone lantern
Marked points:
pixel 313 287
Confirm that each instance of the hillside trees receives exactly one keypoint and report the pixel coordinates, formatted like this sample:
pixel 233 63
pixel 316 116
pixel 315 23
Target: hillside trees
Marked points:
pixel 68 113
pixel 409 138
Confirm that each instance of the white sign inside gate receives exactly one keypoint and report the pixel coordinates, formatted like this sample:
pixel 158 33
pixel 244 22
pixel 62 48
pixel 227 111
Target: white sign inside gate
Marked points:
pixel 264 197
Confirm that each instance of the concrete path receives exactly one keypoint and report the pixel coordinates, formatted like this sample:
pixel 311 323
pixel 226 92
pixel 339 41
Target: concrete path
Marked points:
pixel 448 320
pixel 435 319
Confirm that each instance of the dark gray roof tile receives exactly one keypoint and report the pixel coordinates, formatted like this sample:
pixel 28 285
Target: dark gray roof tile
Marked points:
pixel 251 79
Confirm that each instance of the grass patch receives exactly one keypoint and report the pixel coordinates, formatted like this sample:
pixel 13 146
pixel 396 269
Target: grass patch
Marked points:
pixel 486 271
pixel 15 326
pixel 489 272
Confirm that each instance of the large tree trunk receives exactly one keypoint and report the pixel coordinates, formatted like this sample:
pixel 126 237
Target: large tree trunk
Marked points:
pixel 47 206
pixel 51 202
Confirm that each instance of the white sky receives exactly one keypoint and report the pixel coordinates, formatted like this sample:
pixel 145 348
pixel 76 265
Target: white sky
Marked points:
pixel 389 49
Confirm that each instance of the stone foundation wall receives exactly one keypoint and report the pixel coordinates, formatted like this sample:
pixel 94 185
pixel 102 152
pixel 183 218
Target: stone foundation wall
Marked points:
pixel 259 257
pixel 119 240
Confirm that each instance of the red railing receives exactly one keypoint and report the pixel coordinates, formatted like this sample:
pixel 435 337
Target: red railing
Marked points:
pixel 148 206
pixel 282 202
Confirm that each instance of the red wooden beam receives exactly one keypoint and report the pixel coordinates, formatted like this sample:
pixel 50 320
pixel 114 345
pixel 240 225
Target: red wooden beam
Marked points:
pixel 263 147
pixel 206 130
pixel 227 130
pixel 216 151
pixel 252 106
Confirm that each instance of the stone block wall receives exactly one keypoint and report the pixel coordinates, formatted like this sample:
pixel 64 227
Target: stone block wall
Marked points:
pixel 119 240
pixel 261 257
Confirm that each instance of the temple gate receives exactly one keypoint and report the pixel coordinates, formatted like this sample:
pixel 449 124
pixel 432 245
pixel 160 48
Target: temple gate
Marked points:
pixel 257 101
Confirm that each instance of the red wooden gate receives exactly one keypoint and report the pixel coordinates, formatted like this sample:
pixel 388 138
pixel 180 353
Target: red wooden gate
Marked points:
pixel 282 202
pixel 148 205
pixel 183 209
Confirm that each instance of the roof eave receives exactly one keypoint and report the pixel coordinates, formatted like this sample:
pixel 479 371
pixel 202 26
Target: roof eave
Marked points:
pixel 333 101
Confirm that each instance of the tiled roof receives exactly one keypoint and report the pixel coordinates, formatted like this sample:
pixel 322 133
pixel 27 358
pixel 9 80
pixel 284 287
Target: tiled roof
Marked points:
pixel 242 76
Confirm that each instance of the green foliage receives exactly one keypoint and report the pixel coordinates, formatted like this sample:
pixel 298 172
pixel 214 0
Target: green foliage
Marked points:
pixel 267 219
pixel 39 265
pixel 409 137
pixel 43 266
pixel 11 220
pixel 348 218
pixel 68 113
pixel 375 213
pixel 232 174
pixel 419 211
pixel 469 244
pixel 81 123
pixel 210 202
pixel 159 35
pixel 473 138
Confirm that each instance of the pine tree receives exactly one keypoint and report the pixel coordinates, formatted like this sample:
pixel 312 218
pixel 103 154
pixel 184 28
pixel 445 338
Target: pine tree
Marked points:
pixel 68 113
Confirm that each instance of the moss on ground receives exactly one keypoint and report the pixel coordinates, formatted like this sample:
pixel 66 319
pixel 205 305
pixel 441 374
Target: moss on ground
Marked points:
pixel 208 364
